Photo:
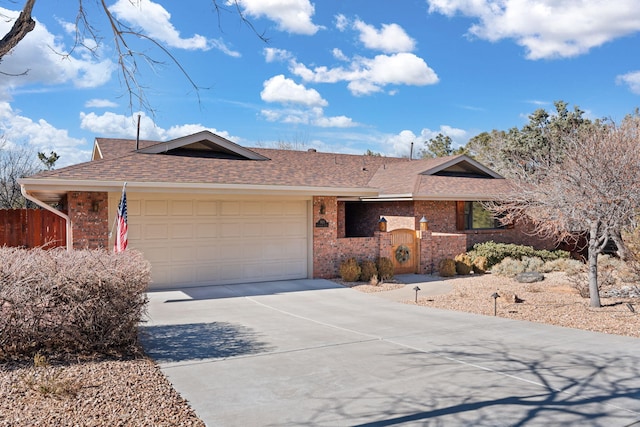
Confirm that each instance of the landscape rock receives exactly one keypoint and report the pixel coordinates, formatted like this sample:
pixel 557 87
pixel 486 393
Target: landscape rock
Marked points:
pixel 530 277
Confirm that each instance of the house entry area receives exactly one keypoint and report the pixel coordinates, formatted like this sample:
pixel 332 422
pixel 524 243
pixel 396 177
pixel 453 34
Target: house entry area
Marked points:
pixel 204 240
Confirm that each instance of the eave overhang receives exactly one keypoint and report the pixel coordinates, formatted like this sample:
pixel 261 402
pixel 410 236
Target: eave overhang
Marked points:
pixel 52 190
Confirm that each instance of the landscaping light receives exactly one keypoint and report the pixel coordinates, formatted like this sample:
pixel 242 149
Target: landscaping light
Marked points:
pixel 495 297
pixel 424 224
pixel 416 289
pixel 382 224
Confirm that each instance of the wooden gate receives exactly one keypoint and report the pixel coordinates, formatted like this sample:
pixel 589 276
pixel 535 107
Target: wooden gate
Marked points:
pixel 32 228
pixel 404 251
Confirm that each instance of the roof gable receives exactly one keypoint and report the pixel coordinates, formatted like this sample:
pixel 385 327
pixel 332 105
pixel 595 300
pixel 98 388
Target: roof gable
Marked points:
pixel 203 144
pixel 462 166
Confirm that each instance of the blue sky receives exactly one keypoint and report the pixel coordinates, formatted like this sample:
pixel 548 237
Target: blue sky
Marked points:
pixel 340 76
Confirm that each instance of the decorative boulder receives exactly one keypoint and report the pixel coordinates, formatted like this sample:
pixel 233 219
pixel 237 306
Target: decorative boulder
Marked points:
pixel 530 277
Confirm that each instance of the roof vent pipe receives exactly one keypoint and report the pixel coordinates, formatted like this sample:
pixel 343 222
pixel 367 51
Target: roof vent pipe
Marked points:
pixel 411 152
pixel 138 135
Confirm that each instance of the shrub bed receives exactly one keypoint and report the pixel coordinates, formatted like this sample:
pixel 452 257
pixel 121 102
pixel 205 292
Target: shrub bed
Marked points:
pixel 494 252
pixel 80 303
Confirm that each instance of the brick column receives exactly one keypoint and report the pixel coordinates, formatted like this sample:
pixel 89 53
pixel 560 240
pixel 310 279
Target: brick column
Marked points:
pixel 426 253
pixel 325 238
pixel 89 214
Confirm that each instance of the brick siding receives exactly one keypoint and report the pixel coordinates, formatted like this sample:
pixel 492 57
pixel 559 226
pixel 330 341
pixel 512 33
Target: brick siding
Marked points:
pixel 442 240
pixel 89 214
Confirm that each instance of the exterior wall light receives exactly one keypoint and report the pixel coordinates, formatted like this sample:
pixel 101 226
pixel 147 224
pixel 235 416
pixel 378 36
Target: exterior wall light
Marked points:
pixel 382 224
pixel 424 224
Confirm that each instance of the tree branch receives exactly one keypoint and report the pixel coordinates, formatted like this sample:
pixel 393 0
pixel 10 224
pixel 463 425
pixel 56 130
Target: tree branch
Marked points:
pixel 23 25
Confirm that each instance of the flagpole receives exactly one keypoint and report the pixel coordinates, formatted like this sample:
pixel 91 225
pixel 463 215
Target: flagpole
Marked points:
pixel 115 218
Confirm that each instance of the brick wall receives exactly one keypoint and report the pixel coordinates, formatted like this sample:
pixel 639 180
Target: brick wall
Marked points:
pixel 440 214
pixel 442 240
pixel 89 214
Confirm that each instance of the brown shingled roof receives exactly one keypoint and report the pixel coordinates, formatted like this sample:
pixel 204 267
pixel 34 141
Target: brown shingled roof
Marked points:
pixel 387 176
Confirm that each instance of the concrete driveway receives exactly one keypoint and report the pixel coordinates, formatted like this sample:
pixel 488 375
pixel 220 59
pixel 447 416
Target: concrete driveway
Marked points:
pixel 313 353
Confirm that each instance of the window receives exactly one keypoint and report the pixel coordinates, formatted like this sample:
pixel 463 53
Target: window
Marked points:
pixel 476 217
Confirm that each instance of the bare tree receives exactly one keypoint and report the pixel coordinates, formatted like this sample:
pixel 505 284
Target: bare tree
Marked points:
pixel 15 163
pixel 127 57
pixel 593 189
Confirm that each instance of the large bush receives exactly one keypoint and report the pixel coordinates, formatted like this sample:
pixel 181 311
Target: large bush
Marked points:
pixel 350 270
pixel 496 252
pixel 60 303
pixel 385 268
pixel 447 268
pixel 368 269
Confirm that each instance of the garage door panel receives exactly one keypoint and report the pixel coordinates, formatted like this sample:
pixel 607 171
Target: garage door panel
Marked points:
pixel 133 207
pixel 155 208
pixel 154 255
pixel 229 208
pixel 252 229
pixel 273 209
pixel 206 208
pixel 198 240
pixel 155 231
pixel 296 229
pixel 231 229
pixel 182 274
pixel 181 207
pixel 182 254
pixel 295 209
pixel 206 230
pixel 207 253
pixel 181 231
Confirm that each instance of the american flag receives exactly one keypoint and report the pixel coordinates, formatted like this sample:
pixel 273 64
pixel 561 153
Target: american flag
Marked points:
pixel 120 243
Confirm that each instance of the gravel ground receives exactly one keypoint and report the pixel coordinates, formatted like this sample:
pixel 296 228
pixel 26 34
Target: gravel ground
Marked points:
pixel 136 393
pixel 106 393
pixel 554 301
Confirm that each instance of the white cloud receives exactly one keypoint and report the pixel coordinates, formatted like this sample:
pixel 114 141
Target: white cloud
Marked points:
pixel 631 79
pixel 400 144
pixel 341 22
pixel 335 122
pixel 276 55
pixel 41 136
pixel 391 38
pixel 120 126
pixel 286 91
pixel 155 21
pixel 339 55
pixel 311 116
pixel 292 16
pixel 43 57
pixel 547 28
pixel 366 76
pixel 100 103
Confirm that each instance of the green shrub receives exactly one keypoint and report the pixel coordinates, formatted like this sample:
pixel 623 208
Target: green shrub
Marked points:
pixel 480 265
pixel 64 304
pixel 447 268
pixel 368 269
pixel 385 268
pixel 350 270
pixel 496 252
pixel 463 264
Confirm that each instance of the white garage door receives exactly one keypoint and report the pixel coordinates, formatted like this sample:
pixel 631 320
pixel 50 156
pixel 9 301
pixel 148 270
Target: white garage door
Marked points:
pixel 195 241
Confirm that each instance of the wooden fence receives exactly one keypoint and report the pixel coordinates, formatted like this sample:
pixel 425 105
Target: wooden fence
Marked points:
pixel 32 228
